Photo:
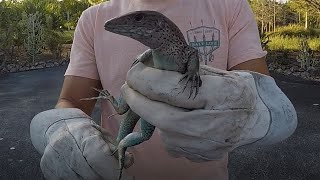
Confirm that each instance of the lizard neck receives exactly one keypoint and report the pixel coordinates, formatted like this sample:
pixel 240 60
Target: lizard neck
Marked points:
pixel 167 56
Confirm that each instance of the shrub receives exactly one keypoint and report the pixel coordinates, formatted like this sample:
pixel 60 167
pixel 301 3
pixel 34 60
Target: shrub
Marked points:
pixel 314 44
pixel 54 41
pixel 68 37
pixel 305 56
pixel 284 43
pixel 295 31
pixel 291 43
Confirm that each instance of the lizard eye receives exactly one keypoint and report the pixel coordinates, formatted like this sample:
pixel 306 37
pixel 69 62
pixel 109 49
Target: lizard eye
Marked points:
pixel 138 17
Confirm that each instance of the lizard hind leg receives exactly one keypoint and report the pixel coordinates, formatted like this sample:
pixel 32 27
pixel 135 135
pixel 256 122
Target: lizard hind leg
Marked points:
pixel 133 139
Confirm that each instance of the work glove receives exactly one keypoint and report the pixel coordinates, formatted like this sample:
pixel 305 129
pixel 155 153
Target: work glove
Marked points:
pixel 231 109
pixel 72 146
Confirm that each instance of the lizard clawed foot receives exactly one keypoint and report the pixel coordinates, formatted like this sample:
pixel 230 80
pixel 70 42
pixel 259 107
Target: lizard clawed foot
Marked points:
pixel 104 95
pixel 106 136
pixel 195 83
pixel 112 115
pixel 122 158
pixel 125 158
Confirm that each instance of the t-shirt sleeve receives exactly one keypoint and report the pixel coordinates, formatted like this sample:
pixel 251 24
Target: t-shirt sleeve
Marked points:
pixel 244 39
pixel 82 57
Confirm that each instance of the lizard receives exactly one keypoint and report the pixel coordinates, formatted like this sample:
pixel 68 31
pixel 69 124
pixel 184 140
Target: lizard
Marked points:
pixel 168 50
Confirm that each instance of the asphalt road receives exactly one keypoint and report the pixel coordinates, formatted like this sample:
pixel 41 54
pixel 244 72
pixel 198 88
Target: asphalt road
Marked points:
pixel 24 94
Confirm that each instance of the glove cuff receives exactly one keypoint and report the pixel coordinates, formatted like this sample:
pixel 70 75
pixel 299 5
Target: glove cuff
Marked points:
pixel 283 117
pixel 44 120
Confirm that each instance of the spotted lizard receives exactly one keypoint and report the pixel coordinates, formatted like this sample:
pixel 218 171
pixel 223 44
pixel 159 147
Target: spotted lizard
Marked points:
pixel 168 50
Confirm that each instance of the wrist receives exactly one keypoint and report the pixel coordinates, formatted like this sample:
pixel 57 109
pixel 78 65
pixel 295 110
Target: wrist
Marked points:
pixel 64 104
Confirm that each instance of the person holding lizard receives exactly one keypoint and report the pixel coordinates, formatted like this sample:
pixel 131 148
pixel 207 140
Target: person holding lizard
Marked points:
pixel 239 104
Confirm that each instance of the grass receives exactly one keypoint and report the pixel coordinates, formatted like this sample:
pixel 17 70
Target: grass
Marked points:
pixel 287 38
pixel 291 43
pixel 295 31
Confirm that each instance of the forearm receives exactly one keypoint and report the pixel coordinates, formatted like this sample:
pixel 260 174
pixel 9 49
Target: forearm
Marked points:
pixel 85 107
pixel 74 89
pixel 256 65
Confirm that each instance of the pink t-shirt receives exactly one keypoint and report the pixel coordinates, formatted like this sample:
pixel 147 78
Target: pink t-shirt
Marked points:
pixel 224 32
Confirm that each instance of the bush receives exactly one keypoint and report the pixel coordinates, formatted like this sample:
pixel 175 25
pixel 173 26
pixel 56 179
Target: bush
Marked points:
pixel 295 31
pixel 314 44
pixel 53 41
pixel 284 43
pixel 68 37
pixel 291 43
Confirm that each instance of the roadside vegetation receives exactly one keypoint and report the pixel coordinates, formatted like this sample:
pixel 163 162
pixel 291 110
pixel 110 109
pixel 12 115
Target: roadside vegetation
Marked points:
pixel 35 31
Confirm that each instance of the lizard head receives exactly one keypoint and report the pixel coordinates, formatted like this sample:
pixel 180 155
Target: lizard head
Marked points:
pixel 151 28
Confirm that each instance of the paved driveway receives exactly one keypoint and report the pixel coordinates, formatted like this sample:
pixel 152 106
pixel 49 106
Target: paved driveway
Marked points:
pixel 23 95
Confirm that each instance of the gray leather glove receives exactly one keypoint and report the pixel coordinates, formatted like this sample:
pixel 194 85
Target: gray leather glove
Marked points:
pixel 72 146
pixel 232 109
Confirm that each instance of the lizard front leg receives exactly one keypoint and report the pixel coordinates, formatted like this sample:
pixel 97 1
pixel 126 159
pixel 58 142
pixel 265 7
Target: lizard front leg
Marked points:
pixel 119 104
pixel 144 57
pixel 192 75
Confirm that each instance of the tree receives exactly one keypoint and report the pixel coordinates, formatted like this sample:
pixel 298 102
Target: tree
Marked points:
pixel 308 9
pixel 267 21
pixel 34 35
pixel 10 33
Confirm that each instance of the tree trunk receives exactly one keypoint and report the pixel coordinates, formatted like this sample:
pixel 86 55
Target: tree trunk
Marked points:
pixel 274 15
pixel 306 21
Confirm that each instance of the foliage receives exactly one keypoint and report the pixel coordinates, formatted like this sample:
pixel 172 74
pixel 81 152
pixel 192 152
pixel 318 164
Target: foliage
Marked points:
pixel 289 38
pixel 10 29
pixel 294 30
pixel 68 37
pixel 286 43
pixel 54 41
pixel 314 44
pixel 305 56
pixel 305 5
pixel 34 34
pixel 56 16
pixel 269 14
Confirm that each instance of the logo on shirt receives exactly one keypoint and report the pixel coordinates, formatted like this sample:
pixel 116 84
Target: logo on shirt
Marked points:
pixel 205 40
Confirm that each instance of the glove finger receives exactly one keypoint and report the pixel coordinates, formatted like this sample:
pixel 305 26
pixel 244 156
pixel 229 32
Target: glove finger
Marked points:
pixel 208 70
pixel 94 149
pixel 194 147
pixel 53 166
pixel 216 92
pixel 64 143
pixel 98 155
pixel 198 155
pixel 164 86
